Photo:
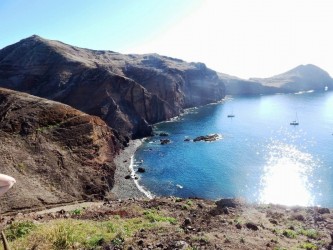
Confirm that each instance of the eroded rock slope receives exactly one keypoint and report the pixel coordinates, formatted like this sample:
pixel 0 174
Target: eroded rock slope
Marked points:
pixel 56 153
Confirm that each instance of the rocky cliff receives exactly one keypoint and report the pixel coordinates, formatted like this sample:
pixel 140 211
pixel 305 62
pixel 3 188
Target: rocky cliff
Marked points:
pixel 129 92
pixel 57 154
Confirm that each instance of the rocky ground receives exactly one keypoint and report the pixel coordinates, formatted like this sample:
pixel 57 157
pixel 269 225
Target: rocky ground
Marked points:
pixel 174 223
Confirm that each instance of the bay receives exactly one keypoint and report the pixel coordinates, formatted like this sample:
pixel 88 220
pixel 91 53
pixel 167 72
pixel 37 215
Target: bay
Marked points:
pixel 261 157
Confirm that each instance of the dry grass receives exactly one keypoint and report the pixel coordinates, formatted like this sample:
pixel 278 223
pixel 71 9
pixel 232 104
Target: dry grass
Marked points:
pixel 82 234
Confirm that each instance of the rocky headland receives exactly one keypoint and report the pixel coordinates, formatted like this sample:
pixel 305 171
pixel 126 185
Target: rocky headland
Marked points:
pixel 129 92
pixel 301 78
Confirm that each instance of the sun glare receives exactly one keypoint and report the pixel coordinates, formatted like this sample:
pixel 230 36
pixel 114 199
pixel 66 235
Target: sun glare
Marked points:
pixel 286 176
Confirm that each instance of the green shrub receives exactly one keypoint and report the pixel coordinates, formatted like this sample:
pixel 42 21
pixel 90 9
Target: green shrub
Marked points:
pixel 189 202
pixel 77 211
pixel 310 233
pixel 289 233
pixel 153 216
pixel 95 241
pixel 19 229
pixel 308 246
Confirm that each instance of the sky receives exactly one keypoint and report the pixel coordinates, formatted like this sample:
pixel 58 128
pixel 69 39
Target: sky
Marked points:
pixel 245 38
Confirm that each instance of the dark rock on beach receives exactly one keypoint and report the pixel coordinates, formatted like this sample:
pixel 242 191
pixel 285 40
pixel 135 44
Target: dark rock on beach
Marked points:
pixel 141 170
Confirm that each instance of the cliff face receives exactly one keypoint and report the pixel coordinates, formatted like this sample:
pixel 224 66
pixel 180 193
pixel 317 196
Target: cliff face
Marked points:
pixel 129 92
pixel 56 153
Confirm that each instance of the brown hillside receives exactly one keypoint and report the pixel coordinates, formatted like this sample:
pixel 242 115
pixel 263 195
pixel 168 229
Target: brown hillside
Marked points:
pixel 56 153
pixel 129 92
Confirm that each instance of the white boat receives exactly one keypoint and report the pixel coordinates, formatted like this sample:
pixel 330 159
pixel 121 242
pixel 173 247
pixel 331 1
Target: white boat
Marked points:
pixel 295 122
pixel 231 115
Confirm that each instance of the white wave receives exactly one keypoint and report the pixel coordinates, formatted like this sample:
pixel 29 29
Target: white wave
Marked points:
pixel 304 92
pixel 141 188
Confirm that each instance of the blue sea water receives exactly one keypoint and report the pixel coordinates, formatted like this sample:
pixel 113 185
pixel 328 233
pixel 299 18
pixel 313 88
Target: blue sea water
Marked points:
pixel 261 157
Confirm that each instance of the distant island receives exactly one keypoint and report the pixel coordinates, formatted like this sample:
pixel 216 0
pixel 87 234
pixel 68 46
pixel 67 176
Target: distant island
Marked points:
pixel 301 78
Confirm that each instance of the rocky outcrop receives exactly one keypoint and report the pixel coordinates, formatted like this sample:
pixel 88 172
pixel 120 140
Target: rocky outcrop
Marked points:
pixel 164 141
pixel 57 154
pixel 208 138
pixel 129 92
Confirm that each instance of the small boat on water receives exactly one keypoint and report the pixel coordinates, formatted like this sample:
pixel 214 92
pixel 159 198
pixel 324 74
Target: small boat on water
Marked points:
pixel 231 115
pixel 295 122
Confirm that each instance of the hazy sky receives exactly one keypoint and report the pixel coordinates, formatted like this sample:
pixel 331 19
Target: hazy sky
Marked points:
pixel 246 38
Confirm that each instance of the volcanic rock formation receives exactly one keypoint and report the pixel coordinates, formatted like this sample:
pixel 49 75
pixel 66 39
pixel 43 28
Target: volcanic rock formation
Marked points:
pixel 129 92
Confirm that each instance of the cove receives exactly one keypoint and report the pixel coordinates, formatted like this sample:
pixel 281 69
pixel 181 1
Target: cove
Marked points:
pixel 261 157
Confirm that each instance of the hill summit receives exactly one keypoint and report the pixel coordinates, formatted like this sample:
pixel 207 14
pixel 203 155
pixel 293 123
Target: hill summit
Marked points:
pixel 300 78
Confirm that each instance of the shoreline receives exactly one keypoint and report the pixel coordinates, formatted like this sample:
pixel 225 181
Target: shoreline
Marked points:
pixel 139 187
pixel 127 188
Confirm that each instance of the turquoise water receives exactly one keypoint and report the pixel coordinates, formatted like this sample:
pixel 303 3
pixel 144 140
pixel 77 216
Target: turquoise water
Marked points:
pixel 261 157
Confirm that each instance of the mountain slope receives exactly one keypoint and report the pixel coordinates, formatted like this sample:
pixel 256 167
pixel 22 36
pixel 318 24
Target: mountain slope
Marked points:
pixel 301 78
pixel 129 92
pixel 57 154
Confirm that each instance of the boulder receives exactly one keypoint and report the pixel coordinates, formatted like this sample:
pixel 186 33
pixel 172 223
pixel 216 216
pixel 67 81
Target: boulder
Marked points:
pixel 228 202
pixel 323 210
pixel 164 141
pixel 141 170
pixel 252 226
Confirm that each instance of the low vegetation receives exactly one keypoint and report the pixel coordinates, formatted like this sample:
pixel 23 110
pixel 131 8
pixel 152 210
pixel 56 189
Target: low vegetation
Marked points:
pixel 163 224
pixel 81 234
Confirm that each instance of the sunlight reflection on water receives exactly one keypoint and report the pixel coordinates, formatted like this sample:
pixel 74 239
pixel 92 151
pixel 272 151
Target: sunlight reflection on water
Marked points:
pixel 287 176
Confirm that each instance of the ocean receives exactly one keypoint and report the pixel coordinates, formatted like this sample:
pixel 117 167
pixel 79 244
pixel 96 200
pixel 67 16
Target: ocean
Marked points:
pixel 260 156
